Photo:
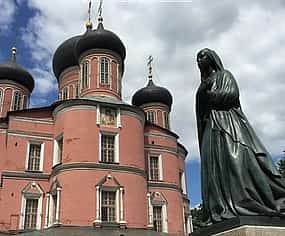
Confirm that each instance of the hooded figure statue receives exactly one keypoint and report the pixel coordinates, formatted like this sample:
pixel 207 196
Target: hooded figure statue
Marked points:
pixel 239 177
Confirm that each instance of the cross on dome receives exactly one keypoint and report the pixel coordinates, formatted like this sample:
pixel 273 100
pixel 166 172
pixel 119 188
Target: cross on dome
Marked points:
pixel 149 64
pixel 89 24
pixel 100 11
pixel 14 54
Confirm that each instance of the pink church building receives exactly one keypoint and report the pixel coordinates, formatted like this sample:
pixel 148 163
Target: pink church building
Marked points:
pixel 90 163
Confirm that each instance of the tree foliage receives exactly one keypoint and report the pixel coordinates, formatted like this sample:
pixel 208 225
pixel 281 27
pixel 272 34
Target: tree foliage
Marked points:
pixel 197 217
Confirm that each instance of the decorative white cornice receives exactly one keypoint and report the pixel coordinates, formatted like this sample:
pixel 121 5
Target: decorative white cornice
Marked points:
pixel 163 136
pixel 31 120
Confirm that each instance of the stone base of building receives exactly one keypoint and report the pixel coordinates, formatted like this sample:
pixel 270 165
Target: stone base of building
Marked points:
pixel 245 226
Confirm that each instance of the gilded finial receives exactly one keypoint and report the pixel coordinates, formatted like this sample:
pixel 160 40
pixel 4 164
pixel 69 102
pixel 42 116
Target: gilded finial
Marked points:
pixel 14 54
pixel 100 10
pixel 149 64
pixel 89 24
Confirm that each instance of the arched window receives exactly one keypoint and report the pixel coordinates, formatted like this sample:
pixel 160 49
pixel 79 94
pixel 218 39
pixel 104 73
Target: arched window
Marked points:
pixel 76 90
pixel 157 212
pixel 165 120
pixel 151 116
pixel 65 93
pixel 31 210
pixel 104 70
pixel 17 101
pixel 109 202
pixel 85 74
pixel 1 99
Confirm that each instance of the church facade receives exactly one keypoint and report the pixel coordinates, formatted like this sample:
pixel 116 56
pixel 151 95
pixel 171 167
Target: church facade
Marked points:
pixel 90 159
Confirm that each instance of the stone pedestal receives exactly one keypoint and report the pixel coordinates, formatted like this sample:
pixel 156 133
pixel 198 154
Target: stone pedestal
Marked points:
pixel 245 226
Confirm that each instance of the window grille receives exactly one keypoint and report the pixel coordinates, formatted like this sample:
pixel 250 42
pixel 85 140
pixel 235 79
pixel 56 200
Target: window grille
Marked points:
pixel 108 148
pixel 34 157
pixel 104 70
pixel 18 100
pixel 151 116
pixel 60 148
pixel 166 120
pixel 31 214
pixel 154 168
pixel 108 206
pixel 157 218
pixel 76 91
pixel 65 93
pixel 1 97
pixel 85 74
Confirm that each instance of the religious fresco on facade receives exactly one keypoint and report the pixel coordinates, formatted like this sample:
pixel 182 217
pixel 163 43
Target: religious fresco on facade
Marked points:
pixel 108 116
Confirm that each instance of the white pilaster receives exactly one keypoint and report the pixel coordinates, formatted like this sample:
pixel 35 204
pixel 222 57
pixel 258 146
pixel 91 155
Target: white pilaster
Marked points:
pixel 47 210
pixel 150 212
pixel 121 206
pixel 58 191
pixel 98 218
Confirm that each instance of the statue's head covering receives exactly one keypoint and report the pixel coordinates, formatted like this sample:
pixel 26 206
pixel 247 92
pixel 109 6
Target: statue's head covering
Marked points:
pixel 214 58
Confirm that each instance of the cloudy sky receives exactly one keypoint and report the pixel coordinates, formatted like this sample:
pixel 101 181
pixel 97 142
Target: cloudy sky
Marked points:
pixel 249 36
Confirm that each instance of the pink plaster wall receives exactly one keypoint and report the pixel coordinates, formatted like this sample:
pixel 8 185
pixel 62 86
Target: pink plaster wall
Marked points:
pixel 11 200
pixel 73 191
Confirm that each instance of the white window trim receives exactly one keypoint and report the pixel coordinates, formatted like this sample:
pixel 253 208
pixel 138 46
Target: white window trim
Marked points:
pixel 119 124
pixel 55 150
pixel 163 212
pixel 23 209
pixel 165 114
pixel 98 114
pixel 187 225
pixel 1 99
pixel 88 74
pixel 118 79
pixel 74 90
pixel 155 116
pixel 164 219
pixel 183 183
pixel 119 205
pixel 110 74
pixel 13 100
pixel 41 155
pixel 55 221
pixel 109 71
pixel 116 135
pixel 67 94
pixel 160 167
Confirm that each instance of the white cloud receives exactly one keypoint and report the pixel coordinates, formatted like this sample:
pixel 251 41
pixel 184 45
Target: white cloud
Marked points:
pixel 248 37
pixel 8 9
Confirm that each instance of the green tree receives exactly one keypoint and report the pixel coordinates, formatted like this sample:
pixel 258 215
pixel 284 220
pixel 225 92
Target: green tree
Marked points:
pixel 197 217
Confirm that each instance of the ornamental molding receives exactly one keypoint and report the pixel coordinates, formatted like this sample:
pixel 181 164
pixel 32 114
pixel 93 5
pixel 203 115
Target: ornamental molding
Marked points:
pixel 28 134
pixel 164 186
pixel 31 120
pixel 91 166
pixel 163 136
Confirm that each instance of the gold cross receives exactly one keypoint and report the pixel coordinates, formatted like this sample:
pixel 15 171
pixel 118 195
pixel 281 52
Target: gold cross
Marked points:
pixel 100 8
pixel 149 64
pixel 89 11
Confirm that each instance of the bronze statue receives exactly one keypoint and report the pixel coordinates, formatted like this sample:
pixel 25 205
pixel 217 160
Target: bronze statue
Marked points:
pixel 239 177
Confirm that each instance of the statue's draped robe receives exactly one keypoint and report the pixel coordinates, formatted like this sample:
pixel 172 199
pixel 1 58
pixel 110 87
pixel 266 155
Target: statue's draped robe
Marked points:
pixel 238 174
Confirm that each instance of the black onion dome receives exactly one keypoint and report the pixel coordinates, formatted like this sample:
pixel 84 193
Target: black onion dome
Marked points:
pixel 64 56
pixel 102 39
pixel 16 73
pixel 152 94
